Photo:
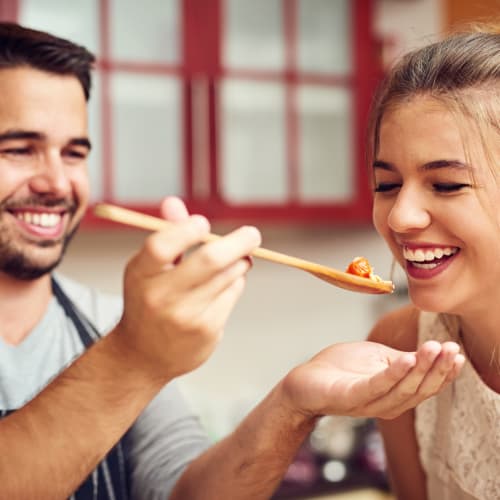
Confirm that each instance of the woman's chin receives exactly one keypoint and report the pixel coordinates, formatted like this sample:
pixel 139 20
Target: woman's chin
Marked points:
pixel 430 301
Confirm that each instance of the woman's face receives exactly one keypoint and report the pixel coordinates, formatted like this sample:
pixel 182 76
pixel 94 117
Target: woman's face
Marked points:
pixel 437 205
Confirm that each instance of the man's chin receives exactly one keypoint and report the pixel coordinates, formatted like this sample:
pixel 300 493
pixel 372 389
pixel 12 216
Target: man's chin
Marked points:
pixel 42 259
pixel 27 271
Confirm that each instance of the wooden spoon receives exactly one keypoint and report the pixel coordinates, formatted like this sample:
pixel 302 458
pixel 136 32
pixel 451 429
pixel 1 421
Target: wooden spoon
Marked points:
pixel 333 276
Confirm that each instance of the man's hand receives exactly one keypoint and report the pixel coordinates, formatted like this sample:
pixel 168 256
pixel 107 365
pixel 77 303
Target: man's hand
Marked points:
pixel 176 307
pixel 370 379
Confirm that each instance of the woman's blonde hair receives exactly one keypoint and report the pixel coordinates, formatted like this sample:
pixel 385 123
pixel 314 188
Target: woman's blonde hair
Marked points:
pixel 462 71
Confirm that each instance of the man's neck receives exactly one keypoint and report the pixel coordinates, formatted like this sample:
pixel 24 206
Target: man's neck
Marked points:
pixel 22 304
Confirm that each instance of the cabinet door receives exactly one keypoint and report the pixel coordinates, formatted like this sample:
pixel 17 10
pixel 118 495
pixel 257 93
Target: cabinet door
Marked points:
pixel 136 107
pixel 75 20
pixel 291 99
pixel 247 109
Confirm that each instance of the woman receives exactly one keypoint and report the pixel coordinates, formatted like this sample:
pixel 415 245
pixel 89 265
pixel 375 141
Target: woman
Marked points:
pixel 435 152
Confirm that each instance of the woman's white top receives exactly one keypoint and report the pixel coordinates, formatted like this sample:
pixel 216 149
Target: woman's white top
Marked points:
pixel 458 430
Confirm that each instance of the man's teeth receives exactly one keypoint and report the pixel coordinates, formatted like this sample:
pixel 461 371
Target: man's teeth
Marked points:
pixel 40 219
pixel 428 254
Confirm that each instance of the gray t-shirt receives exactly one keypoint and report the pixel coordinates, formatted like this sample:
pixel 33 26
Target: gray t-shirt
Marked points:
pixel 165 437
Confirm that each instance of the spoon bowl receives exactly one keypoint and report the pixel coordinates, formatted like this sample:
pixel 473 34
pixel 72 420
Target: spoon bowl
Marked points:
pixel 333 276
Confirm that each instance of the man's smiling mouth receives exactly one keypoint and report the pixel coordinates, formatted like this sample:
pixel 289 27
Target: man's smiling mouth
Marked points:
pixel 42 219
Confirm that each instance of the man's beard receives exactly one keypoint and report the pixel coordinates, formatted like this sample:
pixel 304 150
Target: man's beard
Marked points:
pixel 20 266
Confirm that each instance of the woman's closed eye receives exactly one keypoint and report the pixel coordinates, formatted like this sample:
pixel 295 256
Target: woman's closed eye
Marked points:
pixel 449 187
pixel 385 187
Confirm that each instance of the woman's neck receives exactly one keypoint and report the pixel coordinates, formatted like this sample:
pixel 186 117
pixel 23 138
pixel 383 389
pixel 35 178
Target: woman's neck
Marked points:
pixel 481 341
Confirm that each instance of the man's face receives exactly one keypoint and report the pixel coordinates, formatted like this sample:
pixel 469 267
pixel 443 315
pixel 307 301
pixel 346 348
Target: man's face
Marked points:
pixel 43 168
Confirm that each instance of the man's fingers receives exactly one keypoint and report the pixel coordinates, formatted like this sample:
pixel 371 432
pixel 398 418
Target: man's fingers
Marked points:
pixel 207 291
pixel 163 247
pixel 221 307
pixel 215 256
pixel 173 209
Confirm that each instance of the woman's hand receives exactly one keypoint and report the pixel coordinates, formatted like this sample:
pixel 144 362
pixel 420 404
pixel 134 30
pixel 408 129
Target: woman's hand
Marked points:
pixel 370 379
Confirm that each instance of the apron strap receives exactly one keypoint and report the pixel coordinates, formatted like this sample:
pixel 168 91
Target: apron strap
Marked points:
pixel 109 480
pixel 86 330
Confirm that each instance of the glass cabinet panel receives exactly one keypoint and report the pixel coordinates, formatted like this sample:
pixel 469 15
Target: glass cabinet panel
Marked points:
pixel 147 124
pixel 252 138
pixel 95 160
pixel 76 20
pixel 145 31
pixel 253 37
pixel 326 144
pixel 239 106
pixel 324 35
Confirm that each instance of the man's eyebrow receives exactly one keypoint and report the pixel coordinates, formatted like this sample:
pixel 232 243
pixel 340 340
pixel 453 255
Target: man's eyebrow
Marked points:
pixel 81 141
pixel 11 135
pixel 432 165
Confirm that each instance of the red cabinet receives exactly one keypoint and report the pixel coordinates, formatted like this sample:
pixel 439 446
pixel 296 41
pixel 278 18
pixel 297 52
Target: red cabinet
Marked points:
pixel 249 110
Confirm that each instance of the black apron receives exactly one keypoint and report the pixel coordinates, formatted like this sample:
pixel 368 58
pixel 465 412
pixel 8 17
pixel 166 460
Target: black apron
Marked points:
pixel 108 481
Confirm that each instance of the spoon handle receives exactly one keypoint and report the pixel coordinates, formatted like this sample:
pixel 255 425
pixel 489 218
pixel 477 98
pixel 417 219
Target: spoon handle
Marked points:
pixel 145 221
pixel 333 276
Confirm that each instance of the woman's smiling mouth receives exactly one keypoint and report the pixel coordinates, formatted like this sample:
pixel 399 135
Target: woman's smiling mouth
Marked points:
pixel 426 262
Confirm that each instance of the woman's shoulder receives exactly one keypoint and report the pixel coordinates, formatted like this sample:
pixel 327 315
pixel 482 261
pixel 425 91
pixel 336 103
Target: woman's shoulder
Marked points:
pixel 397 329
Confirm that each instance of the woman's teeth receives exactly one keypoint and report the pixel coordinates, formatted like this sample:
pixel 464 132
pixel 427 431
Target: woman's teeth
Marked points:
pixel 428 258
pixel 40 219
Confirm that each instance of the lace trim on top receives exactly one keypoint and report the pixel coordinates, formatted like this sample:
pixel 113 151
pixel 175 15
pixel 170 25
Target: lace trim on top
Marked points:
pixel 458 430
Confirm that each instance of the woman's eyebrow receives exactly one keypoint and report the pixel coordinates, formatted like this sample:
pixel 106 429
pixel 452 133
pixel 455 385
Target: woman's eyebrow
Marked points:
pixel 437 164
pixel 384 165
pixel 431 165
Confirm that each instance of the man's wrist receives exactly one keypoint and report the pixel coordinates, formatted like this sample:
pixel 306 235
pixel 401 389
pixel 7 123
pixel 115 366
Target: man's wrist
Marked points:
pixel 131 361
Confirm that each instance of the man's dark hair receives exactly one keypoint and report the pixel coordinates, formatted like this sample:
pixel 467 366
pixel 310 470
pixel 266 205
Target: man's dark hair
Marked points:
pixel 21 46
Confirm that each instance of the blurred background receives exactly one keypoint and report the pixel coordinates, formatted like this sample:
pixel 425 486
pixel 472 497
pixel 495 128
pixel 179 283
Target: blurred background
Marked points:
pixel 254 112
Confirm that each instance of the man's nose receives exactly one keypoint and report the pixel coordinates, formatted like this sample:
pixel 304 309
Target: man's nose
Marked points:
pixel 409 212
pixel 51 176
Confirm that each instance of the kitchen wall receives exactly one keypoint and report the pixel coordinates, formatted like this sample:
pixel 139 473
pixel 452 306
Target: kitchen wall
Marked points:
pixel 285 316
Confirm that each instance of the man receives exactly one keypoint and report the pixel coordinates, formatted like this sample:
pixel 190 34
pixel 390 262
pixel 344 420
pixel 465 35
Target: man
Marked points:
pixel 100 417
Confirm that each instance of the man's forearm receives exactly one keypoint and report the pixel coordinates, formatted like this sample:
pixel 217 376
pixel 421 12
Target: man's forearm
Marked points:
pixel 251 462
pixel 50 445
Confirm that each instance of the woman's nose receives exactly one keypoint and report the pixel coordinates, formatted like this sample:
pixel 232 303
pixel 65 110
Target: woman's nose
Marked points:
pixel 409 212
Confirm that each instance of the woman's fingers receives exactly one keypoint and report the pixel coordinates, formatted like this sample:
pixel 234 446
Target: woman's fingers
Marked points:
pixel 437 364
pixel 386 380
pixel 457 366
pixel 440 371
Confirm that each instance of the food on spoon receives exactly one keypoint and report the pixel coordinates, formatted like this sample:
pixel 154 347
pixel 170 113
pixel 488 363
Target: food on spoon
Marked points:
pixel 360 266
